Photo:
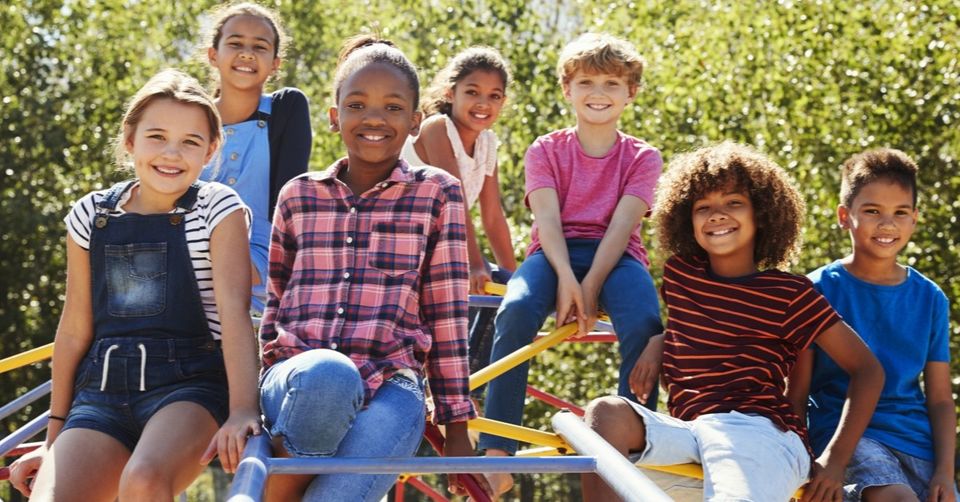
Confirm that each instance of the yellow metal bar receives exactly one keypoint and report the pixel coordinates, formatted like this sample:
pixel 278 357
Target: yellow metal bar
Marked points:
pixel 693 471
pixel 520 355
pixel 492 288
pixel 518 433
pixel 545 451
pixel 24 358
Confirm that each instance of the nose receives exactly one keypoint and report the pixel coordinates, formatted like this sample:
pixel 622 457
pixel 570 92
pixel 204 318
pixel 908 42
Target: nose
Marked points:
pixel 373 116
pixel 171 150
pixel 716 216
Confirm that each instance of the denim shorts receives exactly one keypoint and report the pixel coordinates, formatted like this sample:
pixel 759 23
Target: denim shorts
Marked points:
pixel 122 382
pixel 744 457
pixel 875 464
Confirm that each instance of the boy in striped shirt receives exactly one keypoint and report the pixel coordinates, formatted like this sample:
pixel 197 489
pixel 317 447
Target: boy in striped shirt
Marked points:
pixel 728 216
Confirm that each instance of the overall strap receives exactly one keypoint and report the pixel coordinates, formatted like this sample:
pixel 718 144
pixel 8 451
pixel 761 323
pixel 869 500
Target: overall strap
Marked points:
pixel 112 198
pixel 189 198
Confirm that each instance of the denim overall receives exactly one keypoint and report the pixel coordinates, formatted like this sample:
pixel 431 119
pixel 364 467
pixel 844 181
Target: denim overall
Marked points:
pixel 244 165
pixel 151 342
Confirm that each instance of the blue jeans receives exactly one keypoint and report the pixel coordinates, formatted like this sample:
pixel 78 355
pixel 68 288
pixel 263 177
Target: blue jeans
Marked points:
pixel 480 331
pixel 315 401
pixel 628 296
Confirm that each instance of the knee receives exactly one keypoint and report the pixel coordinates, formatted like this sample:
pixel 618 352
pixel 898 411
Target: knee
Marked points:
pixel 611 417
pixel 889 493
pixel 319 367
pixel 143 481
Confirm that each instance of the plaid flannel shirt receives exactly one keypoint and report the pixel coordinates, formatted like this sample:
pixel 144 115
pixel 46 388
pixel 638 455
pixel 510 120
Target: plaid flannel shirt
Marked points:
pixel 380 277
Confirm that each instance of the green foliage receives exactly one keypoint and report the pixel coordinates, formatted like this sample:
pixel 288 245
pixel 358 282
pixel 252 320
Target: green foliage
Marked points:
pixel 810 83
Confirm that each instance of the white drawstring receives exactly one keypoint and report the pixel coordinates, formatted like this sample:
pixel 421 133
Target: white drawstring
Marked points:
pixel 106 366
pixel 143 364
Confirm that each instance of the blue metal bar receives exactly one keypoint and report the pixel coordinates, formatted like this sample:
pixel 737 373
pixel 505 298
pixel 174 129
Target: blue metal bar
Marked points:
pixel 428 465
pixel 251 477
pixel 484 301
pixel 23 433
pixel 619 474
pixel 20 402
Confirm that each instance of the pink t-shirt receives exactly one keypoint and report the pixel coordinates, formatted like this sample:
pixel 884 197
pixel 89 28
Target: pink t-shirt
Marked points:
pixel 589 188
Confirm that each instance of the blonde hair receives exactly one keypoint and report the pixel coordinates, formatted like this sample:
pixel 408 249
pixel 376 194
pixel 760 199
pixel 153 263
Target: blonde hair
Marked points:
pixel 600 53
pixel 169 84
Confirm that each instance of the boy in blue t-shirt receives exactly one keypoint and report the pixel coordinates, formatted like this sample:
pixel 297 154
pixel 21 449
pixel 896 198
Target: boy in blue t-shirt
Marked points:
pixel 907 451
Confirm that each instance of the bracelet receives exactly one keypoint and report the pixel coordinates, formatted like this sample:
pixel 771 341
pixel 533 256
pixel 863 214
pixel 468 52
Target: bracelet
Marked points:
pixel 54 417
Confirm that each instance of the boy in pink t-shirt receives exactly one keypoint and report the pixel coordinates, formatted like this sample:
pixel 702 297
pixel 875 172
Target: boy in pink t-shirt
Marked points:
pixel 589 187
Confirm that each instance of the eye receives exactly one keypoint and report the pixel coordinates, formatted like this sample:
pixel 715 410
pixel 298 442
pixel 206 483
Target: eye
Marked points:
pixel 871 211
pixel 394 108
pixel 233 45
pixel 262 48
pixel 496 97
pixel 471 92
pixel 354 106
pixel 155 137
pixel 735 203
pixel 612 83
pixel 191 142
pixel 901 212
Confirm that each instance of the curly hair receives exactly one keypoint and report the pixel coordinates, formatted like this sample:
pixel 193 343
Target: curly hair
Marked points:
pixel 866 167
pixel 361 50
pixel 471 59
pixel 777 205
pixel 600 53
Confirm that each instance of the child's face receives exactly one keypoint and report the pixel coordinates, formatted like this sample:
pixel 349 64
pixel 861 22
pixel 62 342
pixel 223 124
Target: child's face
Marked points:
pixel 881 219
pixel 598 98
pixel 724 226
pixel 477 100
pixel 170 145
pixel 245 55
pixel 375 116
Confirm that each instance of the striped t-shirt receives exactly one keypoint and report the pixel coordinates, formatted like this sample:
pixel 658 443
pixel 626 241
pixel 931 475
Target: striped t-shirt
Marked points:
pixel 214 203
pixel 731 343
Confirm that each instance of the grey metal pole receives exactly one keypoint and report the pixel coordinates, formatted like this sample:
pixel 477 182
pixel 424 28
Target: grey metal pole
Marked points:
pixel 251 476
pixel 618 472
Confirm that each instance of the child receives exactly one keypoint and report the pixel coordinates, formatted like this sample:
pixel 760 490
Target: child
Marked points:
pixel 906 452
pixel 267 137
pixel 589 187
pixel 153 285
pixel 735 327
pixel 367 295
pixel 461 106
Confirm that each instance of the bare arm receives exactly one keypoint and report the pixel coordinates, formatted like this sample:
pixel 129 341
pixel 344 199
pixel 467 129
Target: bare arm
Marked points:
pixel 626 217
pixel 943 421
pixel 434 147
pixel 546 209
pixel 798 384
pixel 231 286
pixel 495 223
pixel 866 382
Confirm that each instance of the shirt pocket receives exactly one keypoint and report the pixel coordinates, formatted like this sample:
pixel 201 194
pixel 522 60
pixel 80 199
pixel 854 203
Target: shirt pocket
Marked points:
pixel 136 279
pixel 396 247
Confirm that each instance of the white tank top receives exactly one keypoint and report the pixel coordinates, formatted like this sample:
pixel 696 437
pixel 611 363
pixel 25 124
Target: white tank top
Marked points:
pixel 472 169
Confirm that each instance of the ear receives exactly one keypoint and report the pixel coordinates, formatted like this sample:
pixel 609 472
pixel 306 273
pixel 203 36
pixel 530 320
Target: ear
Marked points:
pixel 448 93
pixel 334 116
pixel 415 124
pixel 566 90
pixel 212 149
pixel 275 65
pixel 632 91
pixel 916 214
pixel 128 131
pixel 843 217
pixel 212 55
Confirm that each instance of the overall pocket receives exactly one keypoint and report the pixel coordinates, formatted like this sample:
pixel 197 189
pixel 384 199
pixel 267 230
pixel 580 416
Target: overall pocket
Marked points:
pixel 396 247
pixel 136 279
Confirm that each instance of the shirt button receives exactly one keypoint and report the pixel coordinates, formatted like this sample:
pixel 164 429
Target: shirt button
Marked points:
pixel 232 181
pixel 349 240
pixel 261 124
pixel 346 275
pixel 353 209
pixel 333 345
pixel 230 131
pixel 340 310
pixel 234 156
pixel 383 185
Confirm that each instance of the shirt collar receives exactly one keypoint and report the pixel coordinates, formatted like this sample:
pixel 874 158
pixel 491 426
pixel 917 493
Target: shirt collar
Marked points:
pixel 401 173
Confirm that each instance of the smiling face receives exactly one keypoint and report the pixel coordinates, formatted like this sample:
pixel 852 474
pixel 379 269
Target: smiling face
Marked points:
pixel 246 54
pixel 881 220
pixel 598 98
pixel 477 100
pixel 375 115
pixel 169 145
pixel 724 226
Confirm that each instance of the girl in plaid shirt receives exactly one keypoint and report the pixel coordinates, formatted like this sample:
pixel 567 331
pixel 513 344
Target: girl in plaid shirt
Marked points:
pixel 366 292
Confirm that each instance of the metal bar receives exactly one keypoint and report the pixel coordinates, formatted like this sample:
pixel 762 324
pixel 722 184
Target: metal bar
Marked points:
pixel 24 358
pixel 29 397
pixel 426 489
pixel 24 449
pixel 23 433
pixel 592 337
pixel 484 301
pixel 543 451
pixel 431 465
pixel 251 477
pixel 520 355
pixel 553 400
pixel 619 474
pixel 517 432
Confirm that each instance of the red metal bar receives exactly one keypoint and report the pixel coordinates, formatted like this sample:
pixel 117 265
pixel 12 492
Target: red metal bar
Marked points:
pixel 398 491
pixel 24 449
pixel 427 490
pixel 553 400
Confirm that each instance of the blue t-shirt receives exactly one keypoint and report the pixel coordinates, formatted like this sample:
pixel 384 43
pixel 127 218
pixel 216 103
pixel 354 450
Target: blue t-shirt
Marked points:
pixel 906 326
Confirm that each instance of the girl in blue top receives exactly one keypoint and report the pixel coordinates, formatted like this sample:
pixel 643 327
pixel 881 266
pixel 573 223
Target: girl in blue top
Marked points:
pixel 267 137
pixel 139 400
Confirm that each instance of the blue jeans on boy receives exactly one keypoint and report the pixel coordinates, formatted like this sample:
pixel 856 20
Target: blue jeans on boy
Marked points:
pixel 315 401
pixel 628 296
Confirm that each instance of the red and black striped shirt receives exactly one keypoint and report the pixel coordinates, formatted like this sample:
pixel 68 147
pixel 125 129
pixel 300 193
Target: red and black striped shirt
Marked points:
pixel 731 343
